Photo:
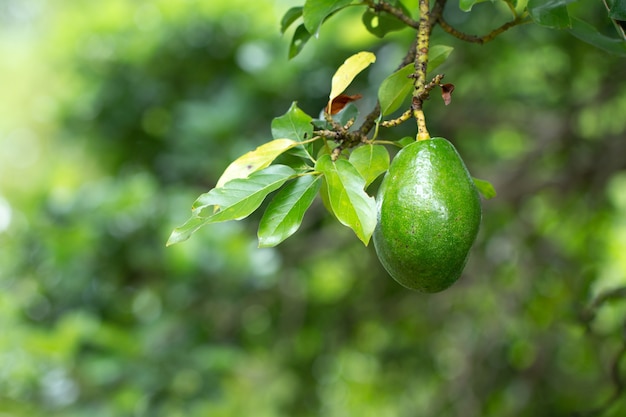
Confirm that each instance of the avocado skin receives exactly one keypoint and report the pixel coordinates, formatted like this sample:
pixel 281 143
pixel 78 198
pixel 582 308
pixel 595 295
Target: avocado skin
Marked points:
pixel 429 213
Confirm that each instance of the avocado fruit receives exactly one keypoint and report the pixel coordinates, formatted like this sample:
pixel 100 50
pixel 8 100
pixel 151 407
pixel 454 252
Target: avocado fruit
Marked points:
pixel 429 213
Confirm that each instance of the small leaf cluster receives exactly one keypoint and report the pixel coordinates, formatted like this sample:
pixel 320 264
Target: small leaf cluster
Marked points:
pixel 304 159
pixel 300 166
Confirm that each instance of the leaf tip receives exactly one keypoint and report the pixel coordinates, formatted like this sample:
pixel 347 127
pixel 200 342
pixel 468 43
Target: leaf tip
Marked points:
pixel 485 188
pixel 264 244
pixel 175 237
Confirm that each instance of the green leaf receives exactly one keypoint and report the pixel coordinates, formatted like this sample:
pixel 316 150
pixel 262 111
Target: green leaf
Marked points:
pixel 284 214
pixel 325 198
pixel 407 140
pixel 348 71
pixel 184 232
pixel 550 13
pixel 255 160
pixel 236 196
pixel 370 161
pixel 394 89
pixel 236 200
pixel 295 124
pixel 348 199
pixel 589 34
pixel 485 188
pixel 315 11
pixel 380 24
pixel 617 9
pixel 289 17
pixel 300 37
pixel 466 5
pixel 437 55
pixel 296 158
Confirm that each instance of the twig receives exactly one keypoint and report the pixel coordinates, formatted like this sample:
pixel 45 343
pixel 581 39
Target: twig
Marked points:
pixel 424 96
pixel 370 120
pixel 480 39
pixel 395 122
pixel 393 11
pixel 343 138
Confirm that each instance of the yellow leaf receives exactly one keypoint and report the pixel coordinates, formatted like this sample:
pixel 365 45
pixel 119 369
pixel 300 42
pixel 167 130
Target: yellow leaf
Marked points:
pixel 347 71
pixel 255 160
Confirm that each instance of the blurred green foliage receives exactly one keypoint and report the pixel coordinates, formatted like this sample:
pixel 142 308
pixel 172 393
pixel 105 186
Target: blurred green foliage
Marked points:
pixel 116 115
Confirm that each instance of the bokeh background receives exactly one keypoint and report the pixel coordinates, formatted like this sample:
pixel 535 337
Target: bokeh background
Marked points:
pixel 115 115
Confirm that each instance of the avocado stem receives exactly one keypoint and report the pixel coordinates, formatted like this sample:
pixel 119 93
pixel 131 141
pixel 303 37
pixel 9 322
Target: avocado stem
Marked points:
pixel 418 113
pixel 421 65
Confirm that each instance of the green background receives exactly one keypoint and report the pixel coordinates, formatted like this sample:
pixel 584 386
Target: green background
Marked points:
pixel 116 115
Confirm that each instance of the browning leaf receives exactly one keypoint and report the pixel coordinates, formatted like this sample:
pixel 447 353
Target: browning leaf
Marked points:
pixel 446 93
pixel 339 102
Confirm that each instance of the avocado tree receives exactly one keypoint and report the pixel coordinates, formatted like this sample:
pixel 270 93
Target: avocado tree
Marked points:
pixel 425 214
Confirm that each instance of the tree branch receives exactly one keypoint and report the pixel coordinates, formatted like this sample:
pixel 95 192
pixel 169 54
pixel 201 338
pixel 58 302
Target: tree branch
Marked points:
pixel 421 65
pixel 479 39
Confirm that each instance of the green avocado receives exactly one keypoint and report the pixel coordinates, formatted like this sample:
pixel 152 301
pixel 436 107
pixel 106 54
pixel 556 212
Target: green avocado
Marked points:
pixel 429 213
